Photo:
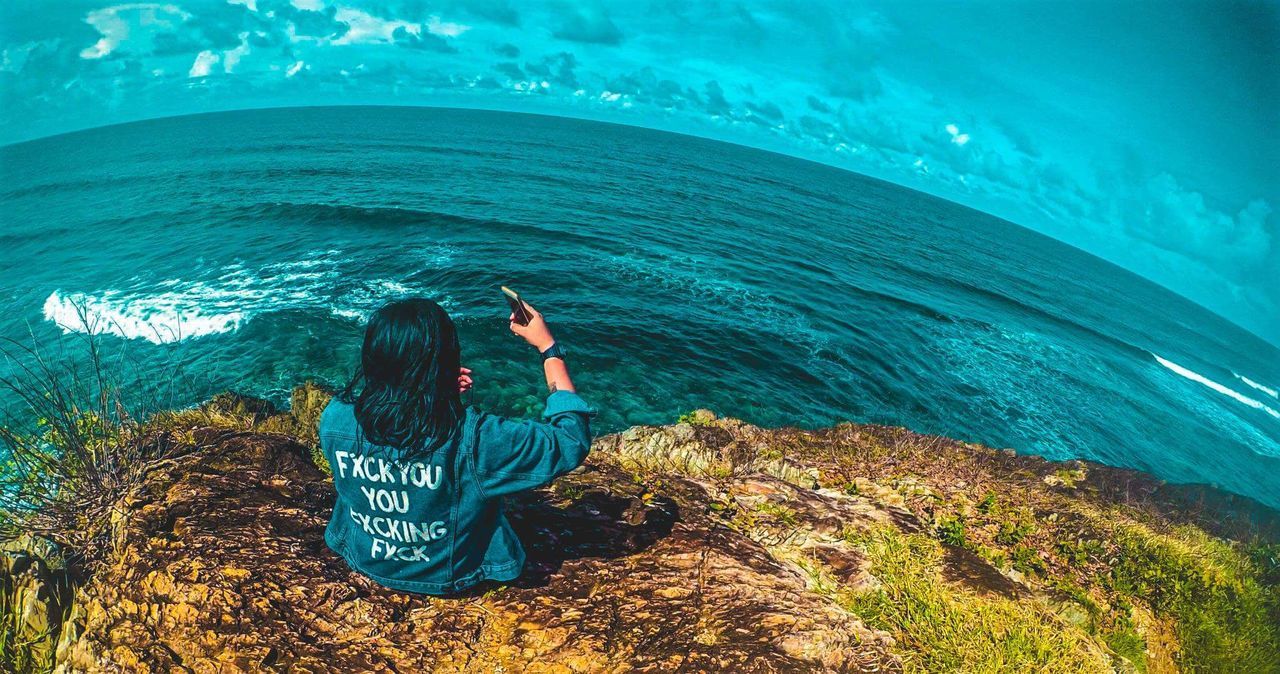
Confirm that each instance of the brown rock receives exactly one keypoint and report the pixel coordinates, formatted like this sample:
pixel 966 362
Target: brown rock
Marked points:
pixel 220 565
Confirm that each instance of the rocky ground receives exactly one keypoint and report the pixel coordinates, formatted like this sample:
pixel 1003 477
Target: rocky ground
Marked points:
pixel 707 545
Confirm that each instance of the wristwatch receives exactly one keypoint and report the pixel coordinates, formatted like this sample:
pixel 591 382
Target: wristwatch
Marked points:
pixel 554 351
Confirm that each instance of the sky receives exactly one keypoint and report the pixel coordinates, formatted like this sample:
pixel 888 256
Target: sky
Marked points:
pixel 1142 132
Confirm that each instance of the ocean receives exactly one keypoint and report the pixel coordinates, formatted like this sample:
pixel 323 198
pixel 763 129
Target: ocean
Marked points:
pixel 243 250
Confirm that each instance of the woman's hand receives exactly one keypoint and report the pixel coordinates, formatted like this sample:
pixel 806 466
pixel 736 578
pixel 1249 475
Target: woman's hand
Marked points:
pixel 536 333
pixel 464 379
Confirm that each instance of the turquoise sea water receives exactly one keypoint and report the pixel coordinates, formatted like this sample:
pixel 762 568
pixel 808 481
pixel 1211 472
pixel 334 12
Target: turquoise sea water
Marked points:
pixel 680 272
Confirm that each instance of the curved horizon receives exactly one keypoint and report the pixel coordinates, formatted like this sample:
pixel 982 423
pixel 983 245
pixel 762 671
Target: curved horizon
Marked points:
pixel 1246 329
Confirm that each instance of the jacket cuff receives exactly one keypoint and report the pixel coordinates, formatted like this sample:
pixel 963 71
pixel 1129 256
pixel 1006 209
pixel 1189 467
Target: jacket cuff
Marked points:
pixel 561 402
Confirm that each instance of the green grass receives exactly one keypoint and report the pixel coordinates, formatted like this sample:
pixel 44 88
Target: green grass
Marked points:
pixel 1128 646
pixel 227 410
pixel 784 515
pixel 943 628
pixel 1226 620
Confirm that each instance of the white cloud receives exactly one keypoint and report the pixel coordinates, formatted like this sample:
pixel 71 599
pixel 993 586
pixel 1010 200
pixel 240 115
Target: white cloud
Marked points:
pixel 445 28
pixel 15 57
pixel 251 4
pixel 308 5
pixel 205 60
pixel 294 69
pixel 957 137
pixel 115 28
pixel 231 57
pixel 366 28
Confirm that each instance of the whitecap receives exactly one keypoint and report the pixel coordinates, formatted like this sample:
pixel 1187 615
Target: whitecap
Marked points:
pixel 1253 384
pixel 176 309
pixel 159 318
pixel 1201 379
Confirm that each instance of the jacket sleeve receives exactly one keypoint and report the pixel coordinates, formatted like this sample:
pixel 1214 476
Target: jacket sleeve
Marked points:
pixel 516 455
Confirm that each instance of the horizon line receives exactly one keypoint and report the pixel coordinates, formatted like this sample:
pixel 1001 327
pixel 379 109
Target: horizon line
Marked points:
pixel 463 108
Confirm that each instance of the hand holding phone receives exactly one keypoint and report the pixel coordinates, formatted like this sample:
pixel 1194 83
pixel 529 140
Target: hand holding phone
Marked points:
pixel 527 322
pixel 519 312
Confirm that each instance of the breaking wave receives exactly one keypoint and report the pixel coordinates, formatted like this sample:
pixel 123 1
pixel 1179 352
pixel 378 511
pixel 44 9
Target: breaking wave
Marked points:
pixel 1255 385
pixel 1201 379
pixel 174 310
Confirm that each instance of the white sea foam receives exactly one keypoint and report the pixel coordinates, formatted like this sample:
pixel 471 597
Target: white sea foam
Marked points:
pixel 159 318
pixel 177 309
pixel 1201 379
pixel 1253 384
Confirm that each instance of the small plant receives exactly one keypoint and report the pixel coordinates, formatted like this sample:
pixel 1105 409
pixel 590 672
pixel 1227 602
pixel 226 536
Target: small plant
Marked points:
pixel 1027 560
pixel 987 505
pixel 997 558
pixel 1127 645
pixel 1066 477
pixel 1012 532
pixel 695 418
pixel 785 516
pixel 951 531
pixel 1079 552
pixel 570 491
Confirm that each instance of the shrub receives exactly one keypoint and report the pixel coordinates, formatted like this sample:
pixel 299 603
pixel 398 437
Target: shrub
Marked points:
pixel 77 448
pixel 71 447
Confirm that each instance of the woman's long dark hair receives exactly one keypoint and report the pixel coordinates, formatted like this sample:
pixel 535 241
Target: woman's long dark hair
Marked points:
pixel 406 390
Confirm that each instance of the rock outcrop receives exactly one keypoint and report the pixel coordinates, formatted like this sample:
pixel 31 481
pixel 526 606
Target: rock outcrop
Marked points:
pixel 708 545
pixel 220 565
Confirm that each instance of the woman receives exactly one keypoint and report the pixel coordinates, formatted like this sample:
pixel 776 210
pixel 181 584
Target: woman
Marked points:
pixel 420 478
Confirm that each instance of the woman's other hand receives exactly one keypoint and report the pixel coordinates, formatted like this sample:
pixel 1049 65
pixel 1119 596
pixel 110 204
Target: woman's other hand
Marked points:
pixel 536 333
pixel 464 379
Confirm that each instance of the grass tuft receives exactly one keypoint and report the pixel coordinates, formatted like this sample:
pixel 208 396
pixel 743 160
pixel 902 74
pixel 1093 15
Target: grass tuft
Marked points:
pixel 941 628
pixel 1225 619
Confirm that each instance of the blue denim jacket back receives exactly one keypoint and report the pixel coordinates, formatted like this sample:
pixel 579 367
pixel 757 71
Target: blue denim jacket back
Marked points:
pixel 434 524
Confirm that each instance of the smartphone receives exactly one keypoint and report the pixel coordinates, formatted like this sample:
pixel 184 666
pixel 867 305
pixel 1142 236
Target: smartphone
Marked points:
pixel 522 316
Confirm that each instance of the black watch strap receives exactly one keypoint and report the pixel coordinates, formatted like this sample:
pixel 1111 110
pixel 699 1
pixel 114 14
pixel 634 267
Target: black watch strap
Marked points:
pixel 554 351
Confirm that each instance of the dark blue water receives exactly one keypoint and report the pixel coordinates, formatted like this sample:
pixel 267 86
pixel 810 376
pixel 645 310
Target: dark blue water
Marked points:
pixel 682 273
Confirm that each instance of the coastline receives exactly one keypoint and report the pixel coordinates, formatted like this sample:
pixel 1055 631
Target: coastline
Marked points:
pixel 734 547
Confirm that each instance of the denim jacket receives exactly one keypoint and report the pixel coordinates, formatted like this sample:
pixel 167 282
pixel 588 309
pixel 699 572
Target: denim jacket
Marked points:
pixel 434 524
